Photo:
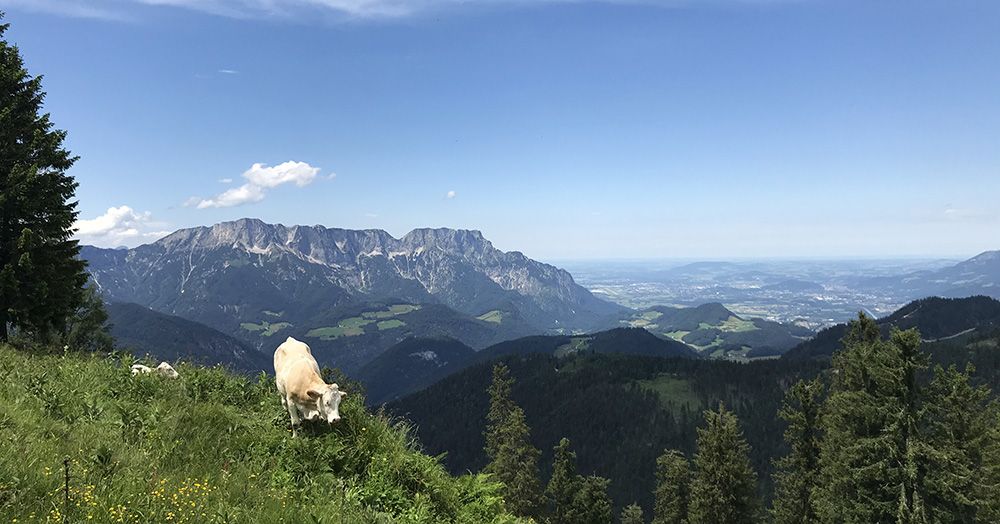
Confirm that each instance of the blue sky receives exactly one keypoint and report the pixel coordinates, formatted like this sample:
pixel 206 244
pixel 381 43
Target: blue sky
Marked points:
pixel 564 129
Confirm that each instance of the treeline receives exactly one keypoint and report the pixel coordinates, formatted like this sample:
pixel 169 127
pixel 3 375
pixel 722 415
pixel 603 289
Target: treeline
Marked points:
pixel 619 412
pixel 881 438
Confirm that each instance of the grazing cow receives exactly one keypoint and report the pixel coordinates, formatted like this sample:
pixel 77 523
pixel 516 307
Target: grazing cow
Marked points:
pixel 140 369
pixel 167 370
pixel 303 392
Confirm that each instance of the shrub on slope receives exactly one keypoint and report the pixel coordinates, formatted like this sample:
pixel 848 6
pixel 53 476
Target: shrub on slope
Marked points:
pixel 208 447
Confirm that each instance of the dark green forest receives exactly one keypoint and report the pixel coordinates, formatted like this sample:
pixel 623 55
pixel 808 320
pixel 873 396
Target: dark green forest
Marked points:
pixel 621 411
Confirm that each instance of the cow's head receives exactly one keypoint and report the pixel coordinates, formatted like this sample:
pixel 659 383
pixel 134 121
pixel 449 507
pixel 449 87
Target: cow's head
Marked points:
pixel 328 401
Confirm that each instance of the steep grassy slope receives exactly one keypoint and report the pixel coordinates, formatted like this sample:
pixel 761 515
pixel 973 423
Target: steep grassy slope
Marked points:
pixel 208 447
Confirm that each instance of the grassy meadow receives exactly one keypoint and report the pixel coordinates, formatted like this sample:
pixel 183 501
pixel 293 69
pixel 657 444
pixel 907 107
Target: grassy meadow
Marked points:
pixel 210 446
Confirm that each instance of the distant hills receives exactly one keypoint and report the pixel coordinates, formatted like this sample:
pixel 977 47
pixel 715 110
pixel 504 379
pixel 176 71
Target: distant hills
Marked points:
pixel 166 337
pixel 610 402
pixel 416 363
pixel 350 293
pixel 715 331
pixel 980 275
pixel 938 319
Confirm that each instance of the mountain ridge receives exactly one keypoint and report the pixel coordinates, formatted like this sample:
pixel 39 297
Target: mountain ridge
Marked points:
pixel 249 279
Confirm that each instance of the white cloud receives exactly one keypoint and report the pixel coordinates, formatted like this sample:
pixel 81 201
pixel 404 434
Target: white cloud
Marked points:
pixel 225 180
pixel 119 226
pixel 259 177
pixel 451 194
pixel 123 9
pixel 301 173
pixel 371 215
pixel 228 72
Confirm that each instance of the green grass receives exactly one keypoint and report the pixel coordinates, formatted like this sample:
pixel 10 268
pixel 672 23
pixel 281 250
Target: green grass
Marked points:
pixel 673 392
pixel 392 311
pixel 390 324
pixel 266 328
pixel 250 326
pixel 575 345
pixel 651 315
pixel 677 335
pixel 736 325
pixel 495 316
pixel 208 447
pixel 348 327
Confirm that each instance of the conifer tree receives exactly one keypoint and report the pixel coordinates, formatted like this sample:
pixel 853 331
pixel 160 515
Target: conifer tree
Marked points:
pixel 574 499
pixel 563 485
pixel 871 457
pixel 513 460
pixel 673 486
pixel 797 474
pixel 591 505
pixel 41 279
pixel 961 482
pixel 632 514
pixel 87 329
pixel 724 489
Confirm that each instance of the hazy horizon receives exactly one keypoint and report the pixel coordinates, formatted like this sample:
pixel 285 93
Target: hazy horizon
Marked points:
pixel 587 130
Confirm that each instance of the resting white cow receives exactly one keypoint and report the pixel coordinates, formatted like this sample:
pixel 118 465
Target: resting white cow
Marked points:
pixel 167 370
pixel 303 392
pixel 164 370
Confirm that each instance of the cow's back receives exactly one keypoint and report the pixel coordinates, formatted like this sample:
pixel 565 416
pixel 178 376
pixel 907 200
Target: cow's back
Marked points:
pixel 289 351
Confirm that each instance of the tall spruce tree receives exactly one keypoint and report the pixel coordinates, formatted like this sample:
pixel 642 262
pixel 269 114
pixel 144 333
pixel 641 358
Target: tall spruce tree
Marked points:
pixel 870 457
pixel 513 460
pixel 87 329
pixel 673 488
pixel 41 279
pixel 632 514
pixel 563 485
pixel 724 489
pixel 592 505
pixel 797 474
pixel 960 476
pixel 574 499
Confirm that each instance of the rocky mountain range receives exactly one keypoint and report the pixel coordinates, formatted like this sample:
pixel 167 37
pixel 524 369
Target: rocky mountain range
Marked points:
pixel 337 287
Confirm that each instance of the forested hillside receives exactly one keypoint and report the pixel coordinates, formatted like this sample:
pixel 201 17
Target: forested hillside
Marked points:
pixel 143 331
pixel 416 363
pixel 938 319
pixel 619 411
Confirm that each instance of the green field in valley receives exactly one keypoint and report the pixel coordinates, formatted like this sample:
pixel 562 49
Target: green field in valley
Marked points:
pixel 265 328
pixel 495 316
pixel 673 392
pixel 575 345
pixel 390 324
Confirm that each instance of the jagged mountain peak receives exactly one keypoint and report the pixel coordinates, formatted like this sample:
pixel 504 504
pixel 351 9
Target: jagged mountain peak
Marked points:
pixel 233 270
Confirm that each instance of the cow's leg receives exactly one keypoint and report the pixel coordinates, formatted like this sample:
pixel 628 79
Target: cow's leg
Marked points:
pixel 293 413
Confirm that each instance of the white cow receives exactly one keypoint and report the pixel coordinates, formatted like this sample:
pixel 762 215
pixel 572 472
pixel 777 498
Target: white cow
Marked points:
pixel 164 370
pixel 167 370
pixel 303 392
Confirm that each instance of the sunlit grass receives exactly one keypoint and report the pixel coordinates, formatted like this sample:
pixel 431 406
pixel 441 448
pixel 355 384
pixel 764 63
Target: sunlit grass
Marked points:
pixel 207 447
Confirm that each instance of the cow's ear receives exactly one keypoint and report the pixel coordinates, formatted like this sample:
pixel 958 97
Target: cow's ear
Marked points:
pixel 343 394
pixel 313 394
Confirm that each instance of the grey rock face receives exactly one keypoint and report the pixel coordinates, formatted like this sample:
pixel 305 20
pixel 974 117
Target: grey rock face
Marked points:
pixel 217 270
